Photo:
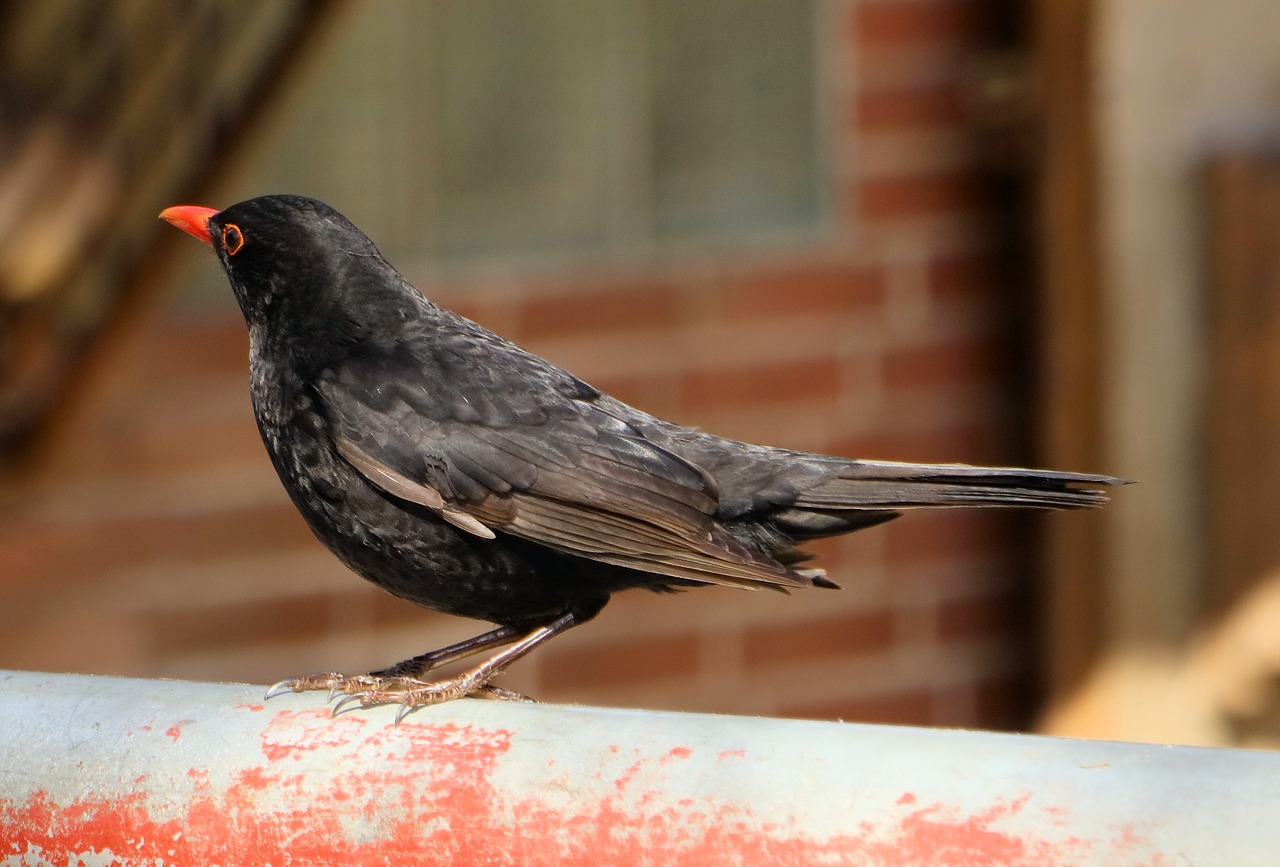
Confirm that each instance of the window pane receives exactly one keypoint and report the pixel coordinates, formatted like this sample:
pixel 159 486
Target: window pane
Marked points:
pixel 520 114
pixel 460 131
pixel 734 127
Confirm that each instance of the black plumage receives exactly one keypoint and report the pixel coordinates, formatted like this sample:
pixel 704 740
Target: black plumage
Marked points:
pixel 458 471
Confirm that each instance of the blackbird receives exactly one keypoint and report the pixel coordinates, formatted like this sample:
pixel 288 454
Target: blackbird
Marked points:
pixel 458 471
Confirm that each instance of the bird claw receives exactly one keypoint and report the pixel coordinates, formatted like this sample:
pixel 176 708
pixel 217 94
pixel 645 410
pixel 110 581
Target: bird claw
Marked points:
pixel 301 684
pixel 346 700
pixel 410 693
pixel 278 688
pixel 404 710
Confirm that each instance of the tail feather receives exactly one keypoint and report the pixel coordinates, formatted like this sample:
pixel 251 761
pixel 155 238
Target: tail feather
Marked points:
pixel 883 485
pixel 841 496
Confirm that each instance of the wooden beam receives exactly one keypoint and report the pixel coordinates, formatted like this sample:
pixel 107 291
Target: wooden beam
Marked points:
pixel 1243 192
pixel 1070 391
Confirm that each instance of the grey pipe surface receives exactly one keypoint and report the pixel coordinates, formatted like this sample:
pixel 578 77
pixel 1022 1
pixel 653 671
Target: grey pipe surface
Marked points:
pixel 103 770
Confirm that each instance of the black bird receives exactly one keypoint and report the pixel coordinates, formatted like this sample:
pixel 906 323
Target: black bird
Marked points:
pixel 458 471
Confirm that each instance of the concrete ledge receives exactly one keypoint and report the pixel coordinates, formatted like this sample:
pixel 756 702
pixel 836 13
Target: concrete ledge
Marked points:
pixel 100 770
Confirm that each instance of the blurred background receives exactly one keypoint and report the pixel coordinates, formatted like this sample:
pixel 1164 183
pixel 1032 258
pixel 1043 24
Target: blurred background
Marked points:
pixel 1041 232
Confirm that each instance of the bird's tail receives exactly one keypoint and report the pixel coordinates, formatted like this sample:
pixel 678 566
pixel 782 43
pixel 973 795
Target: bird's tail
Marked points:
pixel 890 485
pixel 864 493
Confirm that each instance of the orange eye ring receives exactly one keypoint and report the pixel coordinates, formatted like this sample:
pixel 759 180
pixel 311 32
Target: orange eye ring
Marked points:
pixel 232 239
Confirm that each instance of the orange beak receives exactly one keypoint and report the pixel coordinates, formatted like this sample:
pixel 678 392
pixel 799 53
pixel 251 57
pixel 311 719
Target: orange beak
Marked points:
pixel 192 219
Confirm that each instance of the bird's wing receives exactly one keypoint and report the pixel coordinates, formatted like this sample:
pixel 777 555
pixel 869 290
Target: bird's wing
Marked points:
pixel 518 455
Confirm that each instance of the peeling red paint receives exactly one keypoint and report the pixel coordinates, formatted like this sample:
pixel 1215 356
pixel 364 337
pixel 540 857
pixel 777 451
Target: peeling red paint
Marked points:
pixel 200 779
pixel 280 739
pixel 175 731
pixel 428 795
pixel 948 839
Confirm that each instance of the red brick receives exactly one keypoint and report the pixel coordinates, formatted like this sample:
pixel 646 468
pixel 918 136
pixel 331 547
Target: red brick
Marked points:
pixel 62 554
pixel 882 23
pixel 904 708
pixel 97 642
pixel 962 620
pixel 638 660
pixel 963 277
pixel 468 308
pixel 147 451
pixel 924 195
pixel 1004 703
pixel 805 290
pixel 849 634
pixel 658 395
pixel 187 350
pixel 967 444
pixel 260 621
pixel 909 108
pixel 828 553
pixel 925 535
pixel 955 706
pixel 641 307
pixel 385 610
pixel 905 96
pixel 937 365
pixel 729 387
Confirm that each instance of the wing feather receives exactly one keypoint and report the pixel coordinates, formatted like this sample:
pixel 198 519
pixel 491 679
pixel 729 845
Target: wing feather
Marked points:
pixel 557 472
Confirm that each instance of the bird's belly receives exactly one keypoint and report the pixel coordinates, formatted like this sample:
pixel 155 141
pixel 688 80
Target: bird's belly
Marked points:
pixel 409 551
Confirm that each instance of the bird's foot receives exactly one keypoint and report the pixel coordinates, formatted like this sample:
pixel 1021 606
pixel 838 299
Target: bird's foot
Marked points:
pixel 404 684
pixel 410 693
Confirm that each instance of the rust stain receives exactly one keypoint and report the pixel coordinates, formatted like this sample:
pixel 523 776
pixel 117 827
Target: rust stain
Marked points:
pixel 427 796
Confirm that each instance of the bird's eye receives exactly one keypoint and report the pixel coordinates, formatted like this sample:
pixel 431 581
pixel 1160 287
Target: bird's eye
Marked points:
pixel 232 239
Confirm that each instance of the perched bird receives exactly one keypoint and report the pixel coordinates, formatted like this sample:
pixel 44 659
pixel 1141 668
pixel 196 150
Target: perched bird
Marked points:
pixel 458 471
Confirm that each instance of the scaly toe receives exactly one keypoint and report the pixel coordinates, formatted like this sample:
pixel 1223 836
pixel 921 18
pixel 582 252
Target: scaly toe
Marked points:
pixel 448 690
pixel 354 685
pixel 302 684
pixel 495 693
pixel 367 690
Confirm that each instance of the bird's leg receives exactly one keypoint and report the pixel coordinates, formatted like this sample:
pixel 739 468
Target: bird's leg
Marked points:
pixel 350 684
pixel 420 665
pixel 412 692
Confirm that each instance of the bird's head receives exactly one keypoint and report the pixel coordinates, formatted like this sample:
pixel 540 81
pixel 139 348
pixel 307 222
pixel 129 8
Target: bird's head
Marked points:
pixel 295 260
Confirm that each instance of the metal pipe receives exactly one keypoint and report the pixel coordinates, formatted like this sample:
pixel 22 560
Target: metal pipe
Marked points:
pixel 99 770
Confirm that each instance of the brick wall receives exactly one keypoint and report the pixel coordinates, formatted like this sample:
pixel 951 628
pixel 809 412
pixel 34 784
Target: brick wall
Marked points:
pixel 151 538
